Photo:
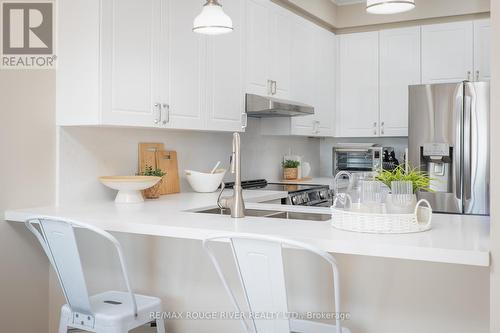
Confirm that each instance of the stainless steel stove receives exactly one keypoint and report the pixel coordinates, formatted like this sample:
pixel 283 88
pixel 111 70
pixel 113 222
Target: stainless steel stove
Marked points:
pixel 298 194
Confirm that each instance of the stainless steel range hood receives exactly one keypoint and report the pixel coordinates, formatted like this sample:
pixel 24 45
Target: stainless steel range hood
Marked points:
pixel 266 107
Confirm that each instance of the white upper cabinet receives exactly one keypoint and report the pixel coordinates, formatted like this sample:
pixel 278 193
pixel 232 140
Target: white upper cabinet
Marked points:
pixel 447 54
pixel 142 65
pixel 358 104
pixel 225 78
pixel 399 68
pixel 130 69
pixel 482 50
pixel 257 48
pixel 302 71
pixel 280 50
pixel 269 38
pixel 186 67
pixel 313 54
pixel 324 82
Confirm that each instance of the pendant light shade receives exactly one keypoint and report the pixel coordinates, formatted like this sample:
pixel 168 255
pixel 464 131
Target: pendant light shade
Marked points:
pixel 212 20
pixel 389 6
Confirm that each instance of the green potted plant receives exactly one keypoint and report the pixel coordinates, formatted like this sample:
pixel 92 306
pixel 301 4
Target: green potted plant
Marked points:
pixel 153 192
pixel 420 179
pixel 290 169
pixel 404 184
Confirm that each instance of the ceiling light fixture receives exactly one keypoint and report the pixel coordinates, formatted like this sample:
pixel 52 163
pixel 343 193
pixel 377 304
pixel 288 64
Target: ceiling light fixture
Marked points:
pixel 389 6
pixel 212 20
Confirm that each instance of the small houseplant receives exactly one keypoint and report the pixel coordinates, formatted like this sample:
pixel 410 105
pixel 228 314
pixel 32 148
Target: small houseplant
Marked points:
pixel 153 192
pixel 420 179
pixel 290 169
pixel 404 184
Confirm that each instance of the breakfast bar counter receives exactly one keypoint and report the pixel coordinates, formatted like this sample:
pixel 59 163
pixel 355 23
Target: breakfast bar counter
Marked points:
pixel 453 239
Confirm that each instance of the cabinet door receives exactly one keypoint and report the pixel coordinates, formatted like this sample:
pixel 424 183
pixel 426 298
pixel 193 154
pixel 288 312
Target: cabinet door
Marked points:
pixel 399 68
pixel 280 49
pixel 257 48
pixel 225 85
pixel 187 67
pixel 482 50
pixel 324 105
pixel 130 69
pixel 358 85
pixel 302 74
pixel 447 52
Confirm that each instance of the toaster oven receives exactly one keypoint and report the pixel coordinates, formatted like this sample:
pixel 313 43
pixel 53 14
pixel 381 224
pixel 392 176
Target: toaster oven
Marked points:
pixel 357 157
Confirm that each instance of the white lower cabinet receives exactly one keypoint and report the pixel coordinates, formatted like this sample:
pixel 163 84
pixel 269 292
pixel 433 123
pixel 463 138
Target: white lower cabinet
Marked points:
pixel 399 68
pixel 145 67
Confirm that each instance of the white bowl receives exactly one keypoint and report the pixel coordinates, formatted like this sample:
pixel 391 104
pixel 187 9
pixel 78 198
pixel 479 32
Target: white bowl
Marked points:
pixel 205 182
pixel 129 187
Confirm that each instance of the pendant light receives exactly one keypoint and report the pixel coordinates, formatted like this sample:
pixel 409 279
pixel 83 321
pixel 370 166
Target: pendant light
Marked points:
pixel 212 20
pixel 389 6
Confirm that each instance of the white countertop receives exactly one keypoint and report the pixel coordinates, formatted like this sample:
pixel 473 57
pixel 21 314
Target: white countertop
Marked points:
pixel 453 239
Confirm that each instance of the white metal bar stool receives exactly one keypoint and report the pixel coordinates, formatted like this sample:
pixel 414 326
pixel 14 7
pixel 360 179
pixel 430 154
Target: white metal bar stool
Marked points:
pixel 107 312
pixel 259 263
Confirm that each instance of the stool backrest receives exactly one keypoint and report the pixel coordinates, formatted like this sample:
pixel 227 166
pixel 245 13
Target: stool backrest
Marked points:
pixel 259 263
pixel 57 238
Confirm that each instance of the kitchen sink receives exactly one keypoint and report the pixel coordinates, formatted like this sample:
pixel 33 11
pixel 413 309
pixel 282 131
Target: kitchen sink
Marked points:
pixel 272 214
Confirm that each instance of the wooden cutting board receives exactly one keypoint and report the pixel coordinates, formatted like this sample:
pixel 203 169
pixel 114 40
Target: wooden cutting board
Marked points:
pixel 148 156
pixel 167 162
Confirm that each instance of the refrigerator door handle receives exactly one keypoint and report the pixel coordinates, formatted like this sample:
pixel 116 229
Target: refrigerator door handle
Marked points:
pixel 457 152
pixel 467 158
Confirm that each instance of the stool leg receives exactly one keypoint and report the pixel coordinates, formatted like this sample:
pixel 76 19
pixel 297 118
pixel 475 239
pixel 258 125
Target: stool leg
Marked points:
pixel 63 327
pixel 63 323
pixel 160 326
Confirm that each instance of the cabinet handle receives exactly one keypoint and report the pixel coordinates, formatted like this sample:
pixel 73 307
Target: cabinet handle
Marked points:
pixel 158 113
pixel 244 120
pixel 269 87
pixel 274 88
pixel 477 75
pixel 374 128
pixel 316 124
pixel 166 110
pixel 469 75
pixel 382 128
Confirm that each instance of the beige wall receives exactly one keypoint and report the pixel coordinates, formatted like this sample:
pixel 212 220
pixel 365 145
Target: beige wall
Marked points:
pixel 340 17
pixel 27 146
pixel 356 15
pixel 495 166
pixel 324 10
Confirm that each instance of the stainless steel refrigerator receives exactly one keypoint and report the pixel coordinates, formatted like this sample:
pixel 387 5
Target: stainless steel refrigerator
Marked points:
pixel 449 139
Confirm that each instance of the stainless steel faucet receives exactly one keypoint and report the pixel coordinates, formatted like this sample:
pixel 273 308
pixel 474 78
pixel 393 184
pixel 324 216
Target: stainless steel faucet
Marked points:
pixel 235 202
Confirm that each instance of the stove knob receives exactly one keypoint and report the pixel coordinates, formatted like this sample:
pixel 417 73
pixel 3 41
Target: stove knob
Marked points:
pixel 323 194
pixel 295 200
pixel 305 198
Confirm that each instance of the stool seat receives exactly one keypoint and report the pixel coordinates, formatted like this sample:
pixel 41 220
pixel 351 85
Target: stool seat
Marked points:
pixel 114 309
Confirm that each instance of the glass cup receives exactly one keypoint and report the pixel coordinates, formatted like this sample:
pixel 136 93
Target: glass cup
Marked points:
pixel 402 198
pixel 372 196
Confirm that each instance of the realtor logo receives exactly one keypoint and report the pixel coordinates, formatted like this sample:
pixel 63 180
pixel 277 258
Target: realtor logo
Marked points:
pixel 28 35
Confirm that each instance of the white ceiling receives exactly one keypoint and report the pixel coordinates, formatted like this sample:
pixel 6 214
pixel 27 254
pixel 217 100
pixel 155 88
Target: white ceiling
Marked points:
pixel 346 2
